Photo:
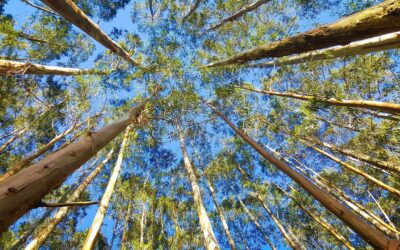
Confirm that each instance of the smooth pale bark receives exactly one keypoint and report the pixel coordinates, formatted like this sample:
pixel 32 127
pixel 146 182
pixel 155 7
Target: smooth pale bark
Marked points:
pixel 220 213
pixel 192 10
pixel 27 160
pixel 142 225
pixel 320 220
pixel 125 227
pixel 10 133
pixel 21 192
pixel 68 204
pixel 377 20
pixel 365 104
pixel 210 242
pixel 385 165
pixel 45 231
pixel 258 226
pixel 8 67
pixel 71 12
pixel 105 200
pixel 365 230
pixel 12 139
pixel 292 242
pixel 378 43
pixel 240 13
pixel 358 171
pixel 355 206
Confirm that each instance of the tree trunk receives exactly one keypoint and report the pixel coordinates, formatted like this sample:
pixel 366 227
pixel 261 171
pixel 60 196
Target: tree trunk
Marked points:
pixel 44 232
pixel 240 13
pixel 12 139
pixel 72 13
pixel 192 10
pixel 368 232
pixel 21 192
pixel 358 171
pixel 220 214
pixel 19 68
pixel 383 42
pixel 376 20
pixel 210 242
pixel 258 226
pixel 320 220
pixel 105 200
pixel 364 104
pixel 125 227
pixel 142 225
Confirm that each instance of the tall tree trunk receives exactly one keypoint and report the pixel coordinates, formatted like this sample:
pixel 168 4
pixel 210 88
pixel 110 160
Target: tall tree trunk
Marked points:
pixel 320 220
pixel 240 13
pixel 220 213
pixel 12 139
pixel 364 104
pixel 368 232
pixel 21 192
pixel 192 10
pixel 28 159
pixel 125 227
pixel 378 43
pixel 176 226
pixel 258 226
pixel 45 231
pixel 71 12
pixel 292 242
pixel 210 242
pixel 358 171
pixel 376 20
pixel 19 68
pixel 142 225
pixel 105 200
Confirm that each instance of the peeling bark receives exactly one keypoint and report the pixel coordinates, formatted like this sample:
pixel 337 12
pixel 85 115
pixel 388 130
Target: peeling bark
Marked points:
pixel 374 21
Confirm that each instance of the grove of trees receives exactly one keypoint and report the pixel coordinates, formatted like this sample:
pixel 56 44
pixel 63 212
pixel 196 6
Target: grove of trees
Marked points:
pixel 201 124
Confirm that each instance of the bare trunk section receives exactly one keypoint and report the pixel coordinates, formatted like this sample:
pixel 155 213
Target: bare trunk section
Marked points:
pixel 365 104
pixel 210 242
pixel 368 232
pixel 19 68
pixel 105 200
pixel 12 139
pixel 376 20
pixel 142 225
pixel 220 214
pixel 320 220
pixel 240 13
pixel 192 10
pixel 21 192
pixel 258 226
pixel 72 13
pixel 125 227
pixel 358 171
pixel 379 43
pixel 45 231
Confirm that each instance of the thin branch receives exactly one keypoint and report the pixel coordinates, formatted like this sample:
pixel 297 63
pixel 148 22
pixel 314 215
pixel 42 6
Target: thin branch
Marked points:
pixel 39 7
pixel 68 204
